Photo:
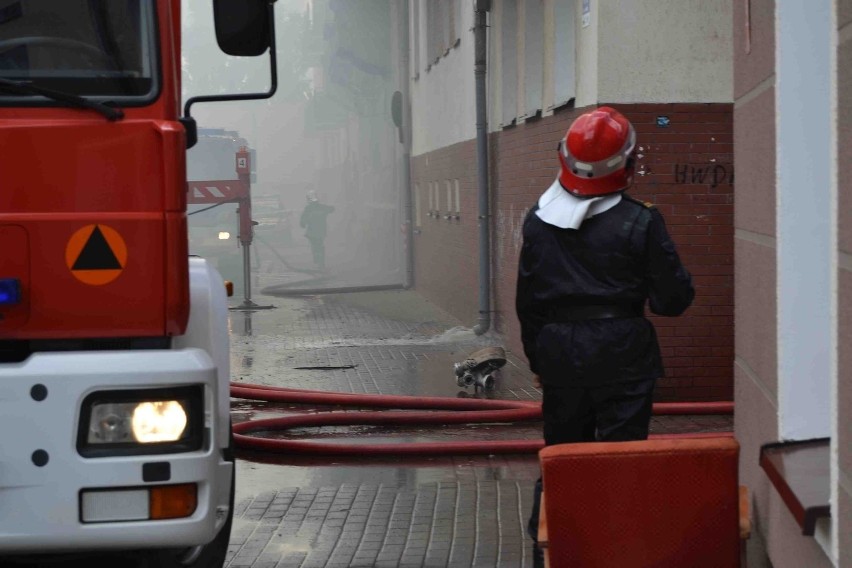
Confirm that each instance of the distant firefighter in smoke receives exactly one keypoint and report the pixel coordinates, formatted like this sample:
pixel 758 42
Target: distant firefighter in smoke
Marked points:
pixel 313 220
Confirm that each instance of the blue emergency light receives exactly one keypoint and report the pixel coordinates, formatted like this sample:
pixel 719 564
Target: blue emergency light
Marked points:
pixel 10 291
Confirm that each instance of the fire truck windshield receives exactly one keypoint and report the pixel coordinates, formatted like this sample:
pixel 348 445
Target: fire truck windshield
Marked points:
pixel 92 48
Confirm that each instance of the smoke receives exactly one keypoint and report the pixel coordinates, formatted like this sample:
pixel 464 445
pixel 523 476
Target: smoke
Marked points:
pixel 328 129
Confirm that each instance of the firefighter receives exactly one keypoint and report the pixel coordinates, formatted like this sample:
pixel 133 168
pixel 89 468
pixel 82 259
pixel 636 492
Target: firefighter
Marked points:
pixel 313 220
pixel 590 259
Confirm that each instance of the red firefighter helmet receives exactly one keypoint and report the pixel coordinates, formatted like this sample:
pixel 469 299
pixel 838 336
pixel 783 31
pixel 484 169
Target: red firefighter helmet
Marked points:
pixel 597 154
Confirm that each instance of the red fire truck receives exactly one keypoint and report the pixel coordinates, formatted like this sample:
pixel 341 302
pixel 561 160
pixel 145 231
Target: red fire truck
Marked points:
pixel 114 365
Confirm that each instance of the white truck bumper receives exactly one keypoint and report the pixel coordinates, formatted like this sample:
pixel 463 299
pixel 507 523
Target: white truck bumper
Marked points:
pixel 41 503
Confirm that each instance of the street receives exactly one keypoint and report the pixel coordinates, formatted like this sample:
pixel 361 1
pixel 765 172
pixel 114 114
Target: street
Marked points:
pixel 311 511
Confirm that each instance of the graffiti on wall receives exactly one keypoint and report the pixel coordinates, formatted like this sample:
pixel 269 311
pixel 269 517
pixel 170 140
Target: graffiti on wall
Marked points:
pixel 713 175
pixel 510 234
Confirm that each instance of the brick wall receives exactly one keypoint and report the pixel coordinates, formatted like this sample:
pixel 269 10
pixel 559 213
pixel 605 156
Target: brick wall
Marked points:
pixel 446 252
pixel 685 168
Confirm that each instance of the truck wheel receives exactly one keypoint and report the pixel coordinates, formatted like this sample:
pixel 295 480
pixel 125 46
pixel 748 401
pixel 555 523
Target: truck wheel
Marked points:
pixel 210 555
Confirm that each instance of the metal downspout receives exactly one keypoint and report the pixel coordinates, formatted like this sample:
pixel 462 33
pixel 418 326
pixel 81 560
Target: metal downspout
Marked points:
pixel 480 50
pixel 406 134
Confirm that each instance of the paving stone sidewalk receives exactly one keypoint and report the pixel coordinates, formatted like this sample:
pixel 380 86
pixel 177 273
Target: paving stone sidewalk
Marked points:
pixel 303 512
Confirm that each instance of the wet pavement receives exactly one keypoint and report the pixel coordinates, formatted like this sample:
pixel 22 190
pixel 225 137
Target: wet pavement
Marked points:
pixel 307 511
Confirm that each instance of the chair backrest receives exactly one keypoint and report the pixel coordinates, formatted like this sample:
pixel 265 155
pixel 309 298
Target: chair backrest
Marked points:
pixel 648 504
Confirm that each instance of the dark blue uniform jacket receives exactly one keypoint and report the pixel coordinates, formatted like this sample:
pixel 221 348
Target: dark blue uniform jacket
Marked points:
pixel 621 257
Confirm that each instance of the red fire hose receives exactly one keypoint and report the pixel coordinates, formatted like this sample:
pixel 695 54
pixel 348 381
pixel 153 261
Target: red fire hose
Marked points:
pixel 442 411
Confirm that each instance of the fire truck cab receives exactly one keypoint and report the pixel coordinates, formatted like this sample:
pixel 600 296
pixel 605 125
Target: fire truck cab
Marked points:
pixel 114 354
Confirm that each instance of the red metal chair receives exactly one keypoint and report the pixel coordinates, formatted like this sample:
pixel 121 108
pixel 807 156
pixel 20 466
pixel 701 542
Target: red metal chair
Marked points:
pixel 660 503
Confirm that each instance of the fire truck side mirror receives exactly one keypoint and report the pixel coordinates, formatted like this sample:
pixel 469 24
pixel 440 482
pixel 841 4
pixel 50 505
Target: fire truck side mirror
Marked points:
pixel 191 128
pixel 242 26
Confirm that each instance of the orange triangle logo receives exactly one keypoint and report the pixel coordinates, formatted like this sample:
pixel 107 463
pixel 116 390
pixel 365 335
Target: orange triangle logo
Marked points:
pixel 96 254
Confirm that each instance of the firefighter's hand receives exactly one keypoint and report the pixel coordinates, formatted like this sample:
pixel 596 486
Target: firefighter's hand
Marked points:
pixel 537 381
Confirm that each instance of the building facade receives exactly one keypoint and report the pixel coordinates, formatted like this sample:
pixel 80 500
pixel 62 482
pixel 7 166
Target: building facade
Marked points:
pixel 761 84
pixel 665 64
pixel 793 235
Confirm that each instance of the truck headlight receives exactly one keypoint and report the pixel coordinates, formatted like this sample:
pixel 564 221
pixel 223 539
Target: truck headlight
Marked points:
pixel 141 421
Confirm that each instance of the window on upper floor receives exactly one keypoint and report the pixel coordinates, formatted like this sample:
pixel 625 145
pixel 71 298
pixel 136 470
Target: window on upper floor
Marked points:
pixel 533 63
pixel 536 55
pixel 415 35
pixel 442 28
pixel 509 61
pixel 564 53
